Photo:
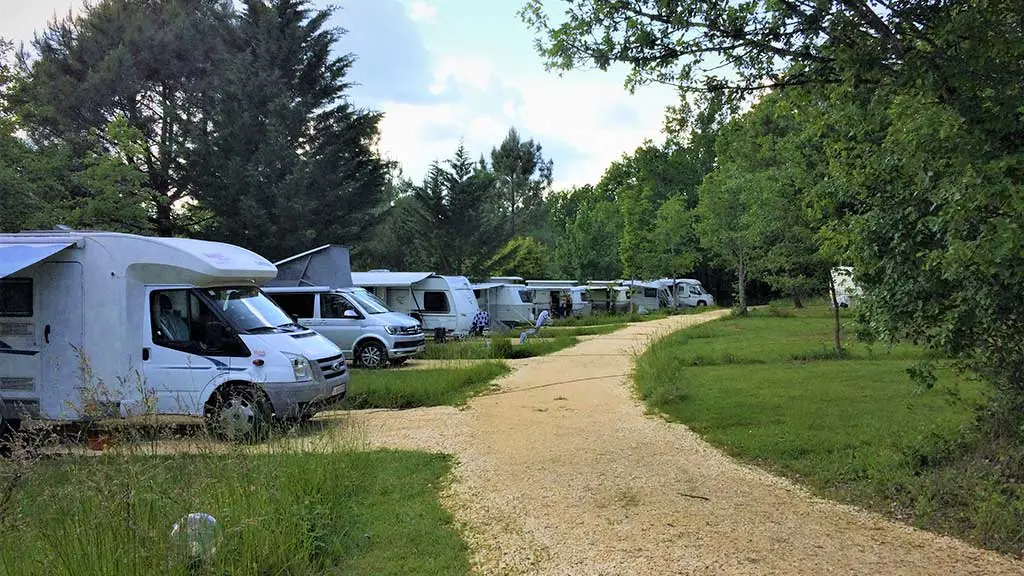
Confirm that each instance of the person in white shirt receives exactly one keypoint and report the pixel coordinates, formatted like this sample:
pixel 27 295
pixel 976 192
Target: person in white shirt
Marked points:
pixel 542 319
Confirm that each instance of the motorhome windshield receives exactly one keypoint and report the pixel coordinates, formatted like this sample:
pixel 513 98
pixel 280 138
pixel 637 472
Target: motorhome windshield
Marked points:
pixel 248 310
pixel 369 302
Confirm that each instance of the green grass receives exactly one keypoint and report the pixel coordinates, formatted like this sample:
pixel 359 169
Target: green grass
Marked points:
pixel 401 389
pixel 289 513
pixel 595 330
pixel 768 390
pixel 500 347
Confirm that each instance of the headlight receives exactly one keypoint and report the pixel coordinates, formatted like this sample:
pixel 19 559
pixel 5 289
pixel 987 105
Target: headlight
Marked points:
pixel 393 329
pixel 300 366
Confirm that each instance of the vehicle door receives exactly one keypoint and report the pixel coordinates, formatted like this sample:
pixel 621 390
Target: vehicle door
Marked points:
pixel 178 360
pixel 340 321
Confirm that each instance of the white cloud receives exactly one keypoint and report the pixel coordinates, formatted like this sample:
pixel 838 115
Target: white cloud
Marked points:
pixel 586 118
pixel 21 19
pixel 421 11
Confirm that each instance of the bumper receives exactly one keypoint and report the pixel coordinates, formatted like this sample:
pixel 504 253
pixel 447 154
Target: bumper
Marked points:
pixel 294 399
pixel 406 348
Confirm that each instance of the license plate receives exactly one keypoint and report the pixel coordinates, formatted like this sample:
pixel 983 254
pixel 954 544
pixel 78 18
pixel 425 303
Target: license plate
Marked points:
pixel 337 390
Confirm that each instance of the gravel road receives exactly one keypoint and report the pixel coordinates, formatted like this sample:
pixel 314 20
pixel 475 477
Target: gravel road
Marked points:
pixel 561 472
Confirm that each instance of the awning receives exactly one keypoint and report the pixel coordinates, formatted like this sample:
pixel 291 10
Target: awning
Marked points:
pixel 16 257
pixel 487 286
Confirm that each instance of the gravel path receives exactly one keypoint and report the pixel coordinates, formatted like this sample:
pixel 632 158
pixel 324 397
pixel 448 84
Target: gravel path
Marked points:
pixel 560 472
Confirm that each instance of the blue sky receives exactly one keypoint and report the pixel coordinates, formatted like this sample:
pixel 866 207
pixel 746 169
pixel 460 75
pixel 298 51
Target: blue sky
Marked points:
pixel 442 71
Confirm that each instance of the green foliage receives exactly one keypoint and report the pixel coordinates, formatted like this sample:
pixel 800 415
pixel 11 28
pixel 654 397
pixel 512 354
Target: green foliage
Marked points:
pixel 521 176
pixel 590 226
pixel 522 256
pixel 277 513
pixel 401 389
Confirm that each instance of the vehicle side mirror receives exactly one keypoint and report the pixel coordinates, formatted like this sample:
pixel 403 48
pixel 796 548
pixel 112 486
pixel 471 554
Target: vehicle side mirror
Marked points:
pixel 350 313
pixel 216 334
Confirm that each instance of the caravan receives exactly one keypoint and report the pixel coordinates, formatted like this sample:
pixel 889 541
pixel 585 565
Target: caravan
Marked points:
pixel 508 304
pixel 648 296
pixel 607 297
pixel 439 303
pixel 551 295
pixel 98 323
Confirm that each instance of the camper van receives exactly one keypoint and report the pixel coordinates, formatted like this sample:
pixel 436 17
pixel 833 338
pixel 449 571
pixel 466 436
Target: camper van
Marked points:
pixel 549 294
pixel 439 303
pixel 648 296
pixel 508 304
pixel 688 292
pixel 356 320
pixel 98 324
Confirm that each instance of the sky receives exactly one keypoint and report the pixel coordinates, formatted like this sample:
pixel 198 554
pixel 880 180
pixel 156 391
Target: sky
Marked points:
pixel 451 71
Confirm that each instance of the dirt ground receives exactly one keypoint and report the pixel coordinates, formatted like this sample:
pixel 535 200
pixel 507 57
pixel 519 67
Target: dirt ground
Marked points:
pixel 561 472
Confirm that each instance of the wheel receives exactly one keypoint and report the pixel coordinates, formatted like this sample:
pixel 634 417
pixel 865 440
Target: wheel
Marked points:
pixel 372 355
pixel 241 415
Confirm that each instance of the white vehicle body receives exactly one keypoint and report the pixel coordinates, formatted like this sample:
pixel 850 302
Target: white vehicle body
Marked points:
pixel 507 304
pixel 689 292
pixel 547 294
pixel 847 291
pixel 355 320
pixel 126 325
pixel 648 296
pixel 437 302
pixel 608 298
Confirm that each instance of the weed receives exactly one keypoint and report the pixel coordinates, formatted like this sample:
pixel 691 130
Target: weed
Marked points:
pixel 401 389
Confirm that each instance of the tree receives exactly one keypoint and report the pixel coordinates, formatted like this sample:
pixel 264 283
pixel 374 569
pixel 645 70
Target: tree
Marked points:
pixel 675 238
pixel 726 224
pixel 522 176
pixel 286 147
pixel 590 226
pixel 146 62
pixel 522 256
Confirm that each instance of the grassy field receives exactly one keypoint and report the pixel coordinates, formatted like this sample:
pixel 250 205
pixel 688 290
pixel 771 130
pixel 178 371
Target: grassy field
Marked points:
pixel 401 389
pixel 768 390
pixel 290 513
pixel 499 347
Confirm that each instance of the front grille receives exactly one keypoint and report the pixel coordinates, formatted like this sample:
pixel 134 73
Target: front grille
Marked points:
pixel 327 366
pixel 410 344
pixel 16 384
pixel 410 330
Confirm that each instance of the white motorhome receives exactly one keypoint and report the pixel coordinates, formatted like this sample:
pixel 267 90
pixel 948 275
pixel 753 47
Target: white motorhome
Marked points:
pixel 437 302
pixel 507 304
pixel 549 294
pixel 648 296
pixel 607 297
pixel 99 323
pixel 688 292
pixel 846 290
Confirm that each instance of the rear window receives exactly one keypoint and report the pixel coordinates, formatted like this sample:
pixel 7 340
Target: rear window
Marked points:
pixel 650 292
pixel 435 302
pixel 16 298
pixel 526 296
pixel 300 305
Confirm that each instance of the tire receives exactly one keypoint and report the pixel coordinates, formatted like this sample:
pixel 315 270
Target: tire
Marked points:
pixel 701 303
pixel 241 414
pixel 372 355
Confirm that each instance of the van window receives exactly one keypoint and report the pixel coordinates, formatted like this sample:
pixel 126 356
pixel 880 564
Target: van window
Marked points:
pixel 300 305
pixel 179 318
pixel 435 302
pixel 526 296
pixel 334 306
pixel 650 292
pixel 16 298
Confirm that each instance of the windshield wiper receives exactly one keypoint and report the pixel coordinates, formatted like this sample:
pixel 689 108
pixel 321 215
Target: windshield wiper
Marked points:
pixel 262 329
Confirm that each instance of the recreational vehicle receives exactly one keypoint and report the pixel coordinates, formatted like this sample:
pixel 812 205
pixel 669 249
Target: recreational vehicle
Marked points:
pixel 507 304
pixel 316 288
pixel 648 296
pixel 99 324
pixel 551 294
pixel 356 320
pixel 846 290
pixel 439 303
pixel 607 297
pixel 688 292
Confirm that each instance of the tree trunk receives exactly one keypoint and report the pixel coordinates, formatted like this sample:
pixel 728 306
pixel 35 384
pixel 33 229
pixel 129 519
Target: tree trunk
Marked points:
pixel 797 301
pixel 742 286
pixel 835 314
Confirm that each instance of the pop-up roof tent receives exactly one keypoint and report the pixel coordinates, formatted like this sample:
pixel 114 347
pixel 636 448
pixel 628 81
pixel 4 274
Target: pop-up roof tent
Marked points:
pixel 327 265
